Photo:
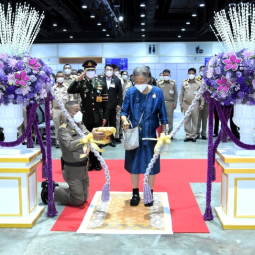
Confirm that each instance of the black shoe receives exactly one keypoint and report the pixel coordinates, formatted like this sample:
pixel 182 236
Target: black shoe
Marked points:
pixel 204 137
pixel 98 166
pixel 112 144
pixel 186 139
pixel 91 166
pixel 215 135
pixel 193 140
pixel 135 200
pixel 149 204
pixel 117 140
pixel 121 136
pixel 172 138
pixel 198 136
pixel 57 146
pixel 44 192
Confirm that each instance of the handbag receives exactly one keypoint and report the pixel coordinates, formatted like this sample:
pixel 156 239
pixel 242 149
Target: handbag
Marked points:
pixel 131 135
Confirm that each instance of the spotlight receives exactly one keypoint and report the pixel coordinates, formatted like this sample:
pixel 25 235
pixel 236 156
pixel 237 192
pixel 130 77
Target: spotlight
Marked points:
pixel 120 18
pixel 183 29
pixel 143 35
pixel 142 14
pixel 194 14
pixel 64 30
pixel 179 36
pixel 107 35
pixel 92 16
pixel 188 22
pixel 142 4
pixel 142 29
pixel 71 36
pixel 99 24
pixel 143 24
pixel 103 29
pixel 202 4
pixel 84 6
pixel 55 24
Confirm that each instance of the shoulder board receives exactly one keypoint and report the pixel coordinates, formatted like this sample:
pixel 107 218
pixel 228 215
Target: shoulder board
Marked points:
pixel 63 125
pixel 66 85
pixel 172 80
pixel 185 80
pixel 199 78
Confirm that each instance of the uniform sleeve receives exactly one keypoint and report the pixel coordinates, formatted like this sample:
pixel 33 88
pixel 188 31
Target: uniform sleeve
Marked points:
pixel 119 93
pixel 74 87
pixel 67 141
pixel 125 109
pixel 105 102
pixel 162 110
pixel 202 101
pixel 175 94
pixel 181 95
pixel 157 84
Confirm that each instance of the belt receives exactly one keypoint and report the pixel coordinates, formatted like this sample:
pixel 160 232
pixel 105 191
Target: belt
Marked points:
pixel 74 164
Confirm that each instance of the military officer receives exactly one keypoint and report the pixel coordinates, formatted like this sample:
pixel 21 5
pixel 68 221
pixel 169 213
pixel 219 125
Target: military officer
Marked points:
pixel 171 96
pixel 203 114
pixel 74 168
pixel 189 89
pixel 94 102
pixel 61 92
pixel 127 83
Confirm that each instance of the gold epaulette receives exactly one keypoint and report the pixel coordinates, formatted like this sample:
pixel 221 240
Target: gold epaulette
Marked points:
pixel 199 78
pixel 63 125
pixel 172 80
pixel 185 80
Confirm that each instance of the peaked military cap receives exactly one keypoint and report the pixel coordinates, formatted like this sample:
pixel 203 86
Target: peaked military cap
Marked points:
pixel 89 64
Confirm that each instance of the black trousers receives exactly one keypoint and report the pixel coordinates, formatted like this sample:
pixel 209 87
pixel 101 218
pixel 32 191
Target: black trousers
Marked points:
pixel 92 158
pixel 111 122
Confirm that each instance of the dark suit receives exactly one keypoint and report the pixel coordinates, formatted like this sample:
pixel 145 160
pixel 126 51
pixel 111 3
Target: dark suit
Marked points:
pixel 114 98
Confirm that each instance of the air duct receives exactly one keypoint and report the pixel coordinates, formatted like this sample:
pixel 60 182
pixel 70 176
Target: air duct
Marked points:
pixel 151 7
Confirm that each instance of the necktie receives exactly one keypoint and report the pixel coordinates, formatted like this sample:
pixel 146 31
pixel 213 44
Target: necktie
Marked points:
pixel 90 84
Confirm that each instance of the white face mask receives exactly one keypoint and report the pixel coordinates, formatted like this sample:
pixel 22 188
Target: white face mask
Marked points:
pixel 117 73
pixel 161 77
pixel 201 73
pixel 90 74
pixel 141 87
pixel 124 77
pixel 68 71
pixel 60 79
pixel 191 76
pixel 166 78
pixel 109 73
pixel 78 117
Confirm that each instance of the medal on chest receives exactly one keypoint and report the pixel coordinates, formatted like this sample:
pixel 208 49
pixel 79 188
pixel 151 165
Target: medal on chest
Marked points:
pixel 154 95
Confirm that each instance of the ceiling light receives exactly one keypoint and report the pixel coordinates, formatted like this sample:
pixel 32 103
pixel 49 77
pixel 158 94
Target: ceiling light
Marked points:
pixel 142 14
pixel 142 29
pixel 143 35
pixel 99 24
pixel 92 16
pixel 64 30
pixel 194 14
pixel 143 24
pixel 55 24
pixel 183 29
pixel 142 4
pixel 188 22
pixel 107 35
pixel 179 36
pixel 202 4
pixel 104 29
pixel 84 6
pixel 71 36
pixel 120 18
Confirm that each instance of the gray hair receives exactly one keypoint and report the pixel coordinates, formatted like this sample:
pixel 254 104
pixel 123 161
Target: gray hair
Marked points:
pixel 142 70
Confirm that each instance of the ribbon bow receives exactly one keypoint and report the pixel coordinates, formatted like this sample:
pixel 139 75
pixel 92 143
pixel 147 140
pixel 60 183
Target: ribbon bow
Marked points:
pixel 162 139
pixel 89 139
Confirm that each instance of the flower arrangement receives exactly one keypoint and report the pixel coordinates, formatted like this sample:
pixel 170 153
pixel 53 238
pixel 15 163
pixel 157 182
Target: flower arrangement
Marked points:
pixel 24 79
pixel 230 77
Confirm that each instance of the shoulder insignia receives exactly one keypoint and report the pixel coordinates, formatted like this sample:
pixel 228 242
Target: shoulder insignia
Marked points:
pixel 185 80
pixel 63 125
pixel 172 80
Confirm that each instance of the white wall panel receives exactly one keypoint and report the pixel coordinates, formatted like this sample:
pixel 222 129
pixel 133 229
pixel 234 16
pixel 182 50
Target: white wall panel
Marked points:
pixel 182 66
pixel 171 66
pixel 217 48
pixel 80 50
pixel 172 59
pixel 160 66
pixel 115 50
pixel 172 49
pixel 50 60
pixel 44 50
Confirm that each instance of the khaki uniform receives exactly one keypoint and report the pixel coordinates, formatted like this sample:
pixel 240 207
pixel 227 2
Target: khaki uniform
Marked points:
pixel 76 176
pixel 203 116
pixel 57 114
pixel 188 93
pixel 69 80
pixel 171 97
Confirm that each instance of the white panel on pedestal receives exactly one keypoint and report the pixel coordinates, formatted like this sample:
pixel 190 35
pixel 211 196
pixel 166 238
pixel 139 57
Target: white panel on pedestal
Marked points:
pixel 80 50
pixel 44 50
pixel 172 49
pixel 32 191
pixel 11 204
pixel 245 194
pixel 224 192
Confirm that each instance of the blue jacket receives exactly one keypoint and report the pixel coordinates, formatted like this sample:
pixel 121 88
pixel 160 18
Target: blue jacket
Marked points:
pixel 155 110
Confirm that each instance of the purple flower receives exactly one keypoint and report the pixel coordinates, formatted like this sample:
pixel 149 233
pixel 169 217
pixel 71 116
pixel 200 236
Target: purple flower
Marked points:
pixel 217 70
pixel 20 65
pixel 241 80
pixel 18 91
pixel 228 75
pixel 10 90
pixel 3 55
pixel 238 74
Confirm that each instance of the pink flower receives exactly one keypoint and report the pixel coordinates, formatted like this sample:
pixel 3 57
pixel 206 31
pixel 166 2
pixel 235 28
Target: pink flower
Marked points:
pixel 43 93
pixel 209 73
pixel 21 78
pixel 3 55
pixel 1 65
pixel 33 64
pixel 224 85
pixel 25 90
pixel 12 62
pixel 248 53
pixel 11 78
pixel 232 63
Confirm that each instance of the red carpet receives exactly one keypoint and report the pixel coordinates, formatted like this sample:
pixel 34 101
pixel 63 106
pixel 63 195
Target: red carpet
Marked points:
pixel 175 178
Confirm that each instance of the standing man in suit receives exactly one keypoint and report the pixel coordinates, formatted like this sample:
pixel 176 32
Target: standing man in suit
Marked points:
pixel 94 103
pixel 114 88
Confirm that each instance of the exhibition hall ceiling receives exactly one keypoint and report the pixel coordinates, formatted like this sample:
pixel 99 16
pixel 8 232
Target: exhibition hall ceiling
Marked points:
pixel 82 21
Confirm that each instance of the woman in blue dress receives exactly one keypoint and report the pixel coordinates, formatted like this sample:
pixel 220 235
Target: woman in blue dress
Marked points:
pixel 150 100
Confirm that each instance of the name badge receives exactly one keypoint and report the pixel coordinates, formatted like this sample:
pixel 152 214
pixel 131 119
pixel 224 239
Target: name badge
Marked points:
pixel 99 99
pixel 195 92
pixel 65 97
pixel 112 85
pixel 171 91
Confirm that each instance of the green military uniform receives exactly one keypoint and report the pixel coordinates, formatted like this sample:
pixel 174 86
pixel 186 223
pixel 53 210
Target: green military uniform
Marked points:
pixel 74 168
pixel 203 116
pixel 171 97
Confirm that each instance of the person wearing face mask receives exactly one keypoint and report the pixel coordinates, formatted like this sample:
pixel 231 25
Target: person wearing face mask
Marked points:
pixel 127 83
pixel 203 114
pixel 152 79
pixel 161 77
pixel 189 90
pixel 94 102
pixel 145 104
pixel 57 114
pixel 74 72
pixel 114 88
pixel 169 89
pixel 74 168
